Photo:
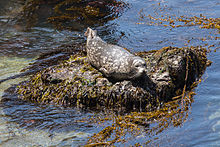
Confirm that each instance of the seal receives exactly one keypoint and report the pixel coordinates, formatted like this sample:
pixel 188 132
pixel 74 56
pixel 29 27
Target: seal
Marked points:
pixel 111 60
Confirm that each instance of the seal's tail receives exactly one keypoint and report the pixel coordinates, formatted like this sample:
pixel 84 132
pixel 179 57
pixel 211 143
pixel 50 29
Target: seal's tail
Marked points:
pixel 90 33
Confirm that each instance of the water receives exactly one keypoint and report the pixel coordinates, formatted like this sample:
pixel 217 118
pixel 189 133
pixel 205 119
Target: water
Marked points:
pixel 27 124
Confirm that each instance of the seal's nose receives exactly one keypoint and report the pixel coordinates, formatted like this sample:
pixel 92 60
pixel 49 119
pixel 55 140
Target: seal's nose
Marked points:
pixel 142 70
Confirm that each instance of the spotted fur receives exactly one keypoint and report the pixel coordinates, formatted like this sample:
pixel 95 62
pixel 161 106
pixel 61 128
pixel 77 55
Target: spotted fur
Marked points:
pixel 113 61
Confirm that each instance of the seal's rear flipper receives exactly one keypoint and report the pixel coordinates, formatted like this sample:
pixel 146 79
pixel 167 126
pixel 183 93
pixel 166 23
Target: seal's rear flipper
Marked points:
pixel 90 33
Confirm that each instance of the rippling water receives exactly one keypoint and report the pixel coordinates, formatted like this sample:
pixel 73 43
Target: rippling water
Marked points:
pixel 27 124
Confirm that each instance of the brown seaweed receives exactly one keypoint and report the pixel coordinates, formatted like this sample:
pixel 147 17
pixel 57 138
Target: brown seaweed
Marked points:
pixel 163 97
pixel 171 71
pixel 70 14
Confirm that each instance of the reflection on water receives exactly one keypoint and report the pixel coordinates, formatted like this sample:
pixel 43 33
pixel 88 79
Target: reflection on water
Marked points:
pixel 41 125
pixel 26 124
pixel 10 66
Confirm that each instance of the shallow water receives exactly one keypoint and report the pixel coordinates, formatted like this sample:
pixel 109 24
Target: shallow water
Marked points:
pixel 27 124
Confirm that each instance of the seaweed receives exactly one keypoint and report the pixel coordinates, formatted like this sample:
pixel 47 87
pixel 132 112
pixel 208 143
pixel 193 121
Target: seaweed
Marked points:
pixel 125 128
pixel 171 72
pixel 202 21
pixel 66 14
pixel 162 98
pixel 181 21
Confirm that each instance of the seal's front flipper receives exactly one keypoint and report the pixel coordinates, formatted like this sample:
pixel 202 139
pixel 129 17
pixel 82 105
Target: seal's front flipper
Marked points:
pixel 106 72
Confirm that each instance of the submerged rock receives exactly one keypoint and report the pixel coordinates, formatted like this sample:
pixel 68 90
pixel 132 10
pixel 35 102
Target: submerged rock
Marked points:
pixel 68 14
pixel 75 82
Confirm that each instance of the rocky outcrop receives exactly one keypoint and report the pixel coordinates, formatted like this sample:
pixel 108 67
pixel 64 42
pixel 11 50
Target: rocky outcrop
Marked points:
pixel 170 72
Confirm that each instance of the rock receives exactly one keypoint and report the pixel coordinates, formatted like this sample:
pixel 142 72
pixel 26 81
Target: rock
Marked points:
pixel 75 82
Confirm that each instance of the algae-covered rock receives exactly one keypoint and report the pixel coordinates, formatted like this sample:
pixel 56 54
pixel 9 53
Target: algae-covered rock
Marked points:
pixel 75 82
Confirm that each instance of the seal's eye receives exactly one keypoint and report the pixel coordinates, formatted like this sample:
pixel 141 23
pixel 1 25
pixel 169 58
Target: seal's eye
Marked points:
pixel 140 65
pixel 137 65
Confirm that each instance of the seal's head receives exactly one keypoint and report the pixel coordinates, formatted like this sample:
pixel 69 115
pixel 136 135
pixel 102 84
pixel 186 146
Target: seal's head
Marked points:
pixel 138 67
pixel 90 34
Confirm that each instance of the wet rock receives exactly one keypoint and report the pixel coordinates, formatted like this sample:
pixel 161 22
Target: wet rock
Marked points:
pixel 75 82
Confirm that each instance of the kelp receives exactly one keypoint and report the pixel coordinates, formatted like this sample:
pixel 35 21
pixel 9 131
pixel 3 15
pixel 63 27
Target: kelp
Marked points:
pixel 162 18
pixel 67 14
pixel 201 21
pixel 124 129
pixel 175 21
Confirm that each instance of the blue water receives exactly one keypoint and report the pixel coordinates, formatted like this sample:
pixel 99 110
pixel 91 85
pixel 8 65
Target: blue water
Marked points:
pixel 202 127
pixel 27 124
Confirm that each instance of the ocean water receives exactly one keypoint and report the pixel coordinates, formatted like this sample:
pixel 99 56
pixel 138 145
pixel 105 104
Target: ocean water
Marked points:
pixel 27 124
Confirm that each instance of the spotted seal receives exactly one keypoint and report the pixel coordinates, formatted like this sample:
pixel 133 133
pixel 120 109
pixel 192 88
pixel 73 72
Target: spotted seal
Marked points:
pixel 111 60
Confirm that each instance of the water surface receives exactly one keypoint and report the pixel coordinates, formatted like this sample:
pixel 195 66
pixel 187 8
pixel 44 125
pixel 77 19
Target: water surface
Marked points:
pixel 27 124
